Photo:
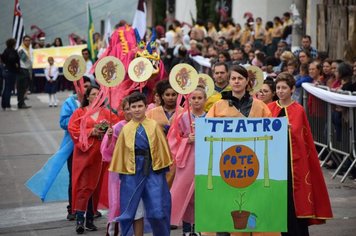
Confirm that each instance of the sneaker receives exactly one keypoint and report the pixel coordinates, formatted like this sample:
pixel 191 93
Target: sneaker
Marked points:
pixel 80 227
pixel 70 217
pixel 89 225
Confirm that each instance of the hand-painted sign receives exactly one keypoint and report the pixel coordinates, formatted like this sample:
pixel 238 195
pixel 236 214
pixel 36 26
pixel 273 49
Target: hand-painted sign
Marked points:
pixel 241 175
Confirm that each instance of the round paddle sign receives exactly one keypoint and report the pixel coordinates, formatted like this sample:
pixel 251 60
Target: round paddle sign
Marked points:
pixel 110 71
pixel 74 67
pixel 140 69
pixel 183 78
pixel 207 82
pixel 255 74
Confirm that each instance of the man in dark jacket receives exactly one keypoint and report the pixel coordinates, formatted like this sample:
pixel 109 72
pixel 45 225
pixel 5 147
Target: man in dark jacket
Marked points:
pixel 11 62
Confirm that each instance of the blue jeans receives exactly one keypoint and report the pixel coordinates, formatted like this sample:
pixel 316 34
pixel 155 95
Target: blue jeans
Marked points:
pixel 10 79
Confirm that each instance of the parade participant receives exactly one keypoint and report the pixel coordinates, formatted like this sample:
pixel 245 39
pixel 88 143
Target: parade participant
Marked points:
pixel 166 113
pixel 107 149
pixel 221 81
pixel 87 171
pixel 53 182
pixel 308 199
pixel 156 101
pixel 267 93
pixel 67 109
pixel 11 61
pixel 25 75
pixel 51 74
pixel 239 103
pixel 181 140
pixel 142 157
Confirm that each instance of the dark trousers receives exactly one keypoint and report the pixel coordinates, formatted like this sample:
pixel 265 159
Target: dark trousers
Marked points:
pixel 69 166
pixel 22 86
pixel 10 79
pixel 89 214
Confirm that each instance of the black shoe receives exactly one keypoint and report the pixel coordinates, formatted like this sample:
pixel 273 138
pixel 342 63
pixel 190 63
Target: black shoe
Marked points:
pixel 24 107
pixel 173 227
pixel 50 106
pixel 70 217
pixel 80 227
pixel 89 225
pixel 97 214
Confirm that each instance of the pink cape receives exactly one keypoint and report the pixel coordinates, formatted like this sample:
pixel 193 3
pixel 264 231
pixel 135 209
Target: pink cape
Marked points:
pixel 182 190
pixel 107 149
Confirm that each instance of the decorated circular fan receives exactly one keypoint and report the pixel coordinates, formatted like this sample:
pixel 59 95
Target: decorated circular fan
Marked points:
pixel 183 78
pixel 110 71
pixel 74 67
pixel 255 74
pixel 140 69
pixel 207 82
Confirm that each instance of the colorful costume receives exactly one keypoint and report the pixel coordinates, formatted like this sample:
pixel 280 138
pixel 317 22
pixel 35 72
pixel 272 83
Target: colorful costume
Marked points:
pixel 88 169
pixel 215 97
pixel 158 114
pixel 142 157
pixel 107 149
pixel 51 182
pixel 126 45
pixel 182 190
pixel 226 107
pixel 310 196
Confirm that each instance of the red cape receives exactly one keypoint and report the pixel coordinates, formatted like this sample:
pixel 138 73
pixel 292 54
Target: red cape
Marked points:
pixel 310 194
pixel 89 173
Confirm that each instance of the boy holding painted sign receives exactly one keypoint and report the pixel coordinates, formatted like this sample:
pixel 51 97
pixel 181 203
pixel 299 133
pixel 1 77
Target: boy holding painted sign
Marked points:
pixel 308 199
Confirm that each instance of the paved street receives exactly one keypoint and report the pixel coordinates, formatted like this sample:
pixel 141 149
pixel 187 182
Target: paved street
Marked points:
pixel 29 137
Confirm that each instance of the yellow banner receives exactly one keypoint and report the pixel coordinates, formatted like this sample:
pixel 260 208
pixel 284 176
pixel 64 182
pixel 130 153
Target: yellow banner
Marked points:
pixel 60 54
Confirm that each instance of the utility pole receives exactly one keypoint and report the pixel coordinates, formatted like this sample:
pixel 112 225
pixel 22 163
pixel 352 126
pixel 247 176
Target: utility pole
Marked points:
pixel 299 22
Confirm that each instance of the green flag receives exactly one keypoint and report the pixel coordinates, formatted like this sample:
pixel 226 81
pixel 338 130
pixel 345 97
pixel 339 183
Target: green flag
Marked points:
pixel 90 41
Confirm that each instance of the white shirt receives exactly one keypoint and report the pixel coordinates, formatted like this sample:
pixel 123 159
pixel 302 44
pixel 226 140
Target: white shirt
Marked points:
pixel 170 38
pixel 89 64
pixel 51 71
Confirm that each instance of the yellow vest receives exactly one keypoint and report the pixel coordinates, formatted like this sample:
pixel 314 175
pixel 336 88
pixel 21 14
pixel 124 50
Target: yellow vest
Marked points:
pixel 123 160
pixel 214 98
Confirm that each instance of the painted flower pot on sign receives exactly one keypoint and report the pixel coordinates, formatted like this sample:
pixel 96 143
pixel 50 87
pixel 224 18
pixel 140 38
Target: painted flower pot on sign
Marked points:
pixel 240 219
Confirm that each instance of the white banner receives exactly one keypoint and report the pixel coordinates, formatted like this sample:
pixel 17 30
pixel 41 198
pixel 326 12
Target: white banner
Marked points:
pixel 330 97
pixel 203 61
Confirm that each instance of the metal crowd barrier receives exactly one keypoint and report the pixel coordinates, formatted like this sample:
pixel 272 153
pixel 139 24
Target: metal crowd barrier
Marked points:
pixel 333 129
